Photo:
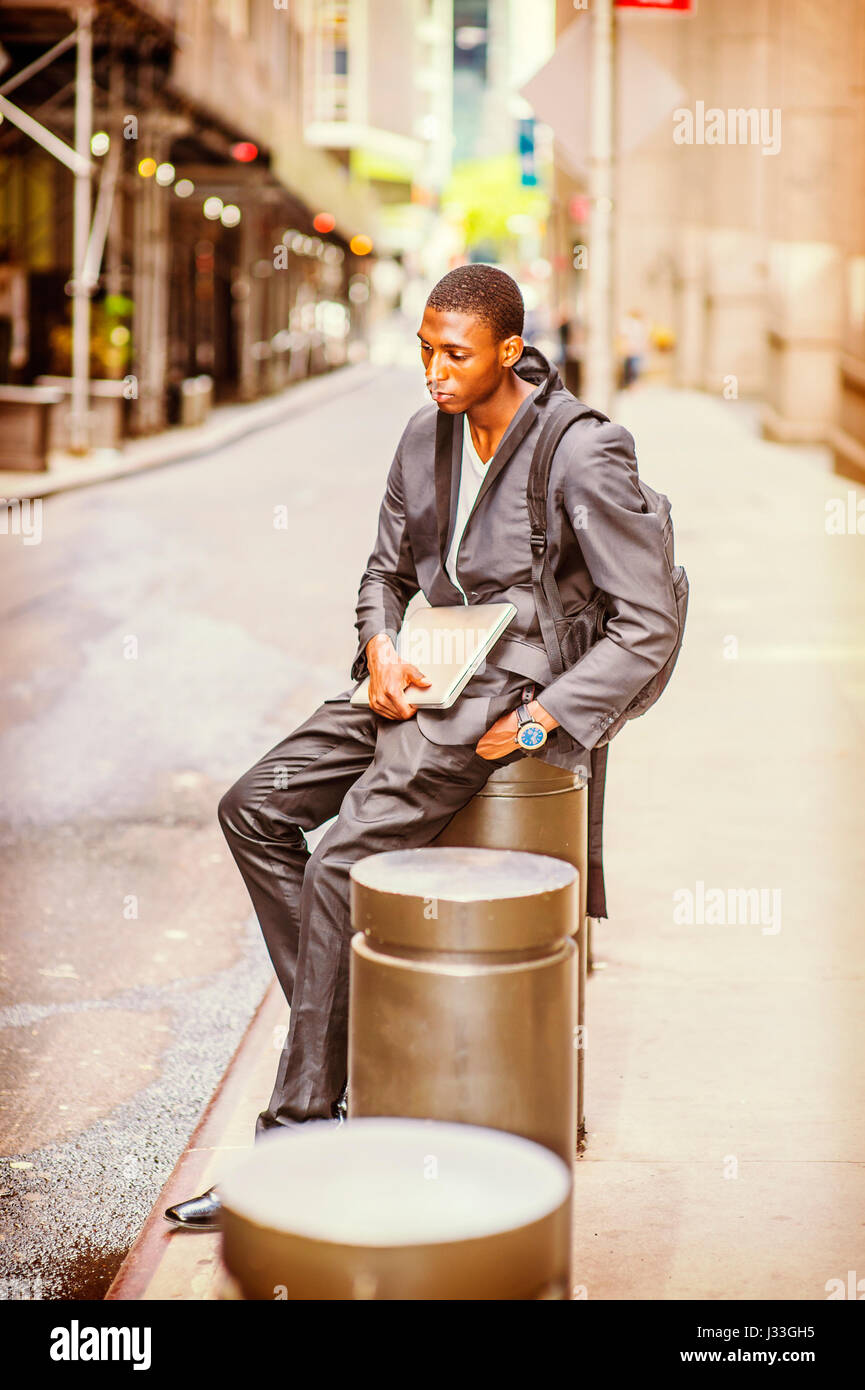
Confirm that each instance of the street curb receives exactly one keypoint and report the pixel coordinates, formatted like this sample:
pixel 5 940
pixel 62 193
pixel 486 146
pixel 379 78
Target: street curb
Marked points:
pixel 165 1263
pixel 180 444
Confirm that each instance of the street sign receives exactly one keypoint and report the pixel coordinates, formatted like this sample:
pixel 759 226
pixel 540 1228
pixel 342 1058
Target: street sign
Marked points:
pixel 646 92
pixel 526 139
pixel 683 6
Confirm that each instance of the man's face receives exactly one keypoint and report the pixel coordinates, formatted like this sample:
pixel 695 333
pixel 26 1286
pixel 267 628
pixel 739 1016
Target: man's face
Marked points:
pixel 463 361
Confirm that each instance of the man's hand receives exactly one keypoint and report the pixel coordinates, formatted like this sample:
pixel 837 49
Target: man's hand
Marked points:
pixel 388 678
pixel 499 738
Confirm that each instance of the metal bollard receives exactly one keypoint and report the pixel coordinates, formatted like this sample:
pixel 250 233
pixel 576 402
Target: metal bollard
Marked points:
pixel 462 1001
pixel 535 806
pixel 396 1209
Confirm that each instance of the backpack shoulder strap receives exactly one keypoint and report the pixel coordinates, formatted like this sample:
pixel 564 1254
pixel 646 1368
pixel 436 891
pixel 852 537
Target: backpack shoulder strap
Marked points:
pixel 548 601
pixel 560 420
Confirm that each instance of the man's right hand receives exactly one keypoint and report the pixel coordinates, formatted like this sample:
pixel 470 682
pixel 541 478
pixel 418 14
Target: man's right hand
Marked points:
pixel 388 678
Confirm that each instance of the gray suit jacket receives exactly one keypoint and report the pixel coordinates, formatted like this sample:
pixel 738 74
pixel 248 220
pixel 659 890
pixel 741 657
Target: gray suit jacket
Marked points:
pixel 598 534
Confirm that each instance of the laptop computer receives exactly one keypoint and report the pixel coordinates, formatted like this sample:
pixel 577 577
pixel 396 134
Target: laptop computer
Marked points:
pixel 448 645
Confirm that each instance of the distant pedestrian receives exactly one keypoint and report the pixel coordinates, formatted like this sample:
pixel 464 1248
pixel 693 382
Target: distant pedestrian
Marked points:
pixel 634 339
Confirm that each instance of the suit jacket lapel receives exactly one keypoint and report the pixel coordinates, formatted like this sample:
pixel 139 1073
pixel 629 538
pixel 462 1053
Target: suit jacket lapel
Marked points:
pixel 459 424
pixel 513 436
pixel 448 462
pixel 448 448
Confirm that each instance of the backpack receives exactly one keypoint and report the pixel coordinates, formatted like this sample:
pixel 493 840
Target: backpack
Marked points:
pixel 567 637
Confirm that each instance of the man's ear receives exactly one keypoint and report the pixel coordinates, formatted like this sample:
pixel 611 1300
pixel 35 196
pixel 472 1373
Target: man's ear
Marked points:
pixel 511 350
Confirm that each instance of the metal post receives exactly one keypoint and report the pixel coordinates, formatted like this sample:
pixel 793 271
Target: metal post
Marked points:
pixel 79 416
pixel 600 358
pixel 114 245
pixel 463 993
pixel 463 990
pixel 537 807
pixel 396 1210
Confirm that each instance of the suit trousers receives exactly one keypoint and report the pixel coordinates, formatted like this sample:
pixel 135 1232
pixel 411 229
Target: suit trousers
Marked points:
pixel 390 788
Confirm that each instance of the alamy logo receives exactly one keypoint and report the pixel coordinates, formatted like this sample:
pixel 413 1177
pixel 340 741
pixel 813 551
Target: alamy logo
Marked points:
pixel 852 1289
pixel 845 518
pixel 441 647
pixel 22 516
pixel 738 125
pixel 719 907
pixel 20 1289
pixel 77 1343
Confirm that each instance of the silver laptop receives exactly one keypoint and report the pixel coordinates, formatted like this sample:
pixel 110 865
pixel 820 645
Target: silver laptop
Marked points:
pixel 448 645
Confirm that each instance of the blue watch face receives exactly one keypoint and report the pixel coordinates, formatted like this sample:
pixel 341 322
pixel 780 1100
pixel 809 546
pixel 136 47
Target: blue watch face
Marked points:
pixel 531 736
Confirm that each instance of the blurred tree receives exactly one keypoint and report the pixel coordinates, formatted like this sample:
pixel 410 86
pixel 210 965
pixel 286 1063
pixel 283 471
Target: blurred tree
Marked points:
pixel 487 193
pixel 110 338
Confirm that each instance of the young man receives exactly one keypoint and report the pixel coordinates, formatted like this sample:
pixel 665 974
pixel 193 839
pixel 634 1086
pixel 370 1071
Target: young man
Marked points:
pixel 454 524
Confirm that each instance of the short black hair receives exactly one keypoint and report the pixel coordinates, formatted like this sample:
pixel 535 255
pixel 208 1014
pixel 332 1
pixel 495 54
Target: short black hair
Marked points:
pixel 484 291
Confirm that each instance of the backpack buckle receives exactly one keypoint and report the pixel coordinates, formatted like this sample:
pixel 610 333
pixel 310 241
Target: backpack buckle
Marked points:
pixel 538 541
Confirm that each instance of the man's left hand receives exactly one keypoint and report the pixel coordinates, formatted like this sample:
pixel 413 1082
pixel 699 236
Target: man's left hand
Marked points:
pixel 499 738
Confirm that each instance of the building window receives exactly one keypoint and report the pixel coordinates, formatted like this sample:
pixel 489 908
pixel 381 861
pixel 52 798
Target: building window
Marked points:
pixel 328 61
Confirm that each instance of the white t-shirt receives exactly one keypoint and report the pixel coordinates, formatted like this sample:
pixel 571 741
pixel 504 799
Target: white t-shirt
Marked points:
pixel 472 473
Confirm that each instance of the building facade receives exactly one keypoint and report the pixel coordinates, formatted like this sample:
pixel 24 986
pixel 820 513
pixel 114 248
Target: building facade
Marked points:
pixel 739 212
pixel 228 254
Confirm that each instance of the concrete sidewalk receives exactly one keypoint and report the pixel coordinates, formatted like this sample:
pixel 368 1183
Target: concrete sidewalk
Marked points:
pixel 726 1154
pixel 725 1090
pixel 226 424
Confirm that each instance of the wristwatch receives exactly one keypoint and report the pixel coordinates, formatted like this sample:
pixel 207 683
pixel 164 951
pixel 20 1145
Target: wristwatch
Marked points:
pixel 529 734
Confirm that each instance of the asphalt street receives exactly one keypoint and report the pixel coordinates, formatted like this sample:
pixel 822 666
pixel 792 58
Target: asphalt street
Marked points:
pixel 166 631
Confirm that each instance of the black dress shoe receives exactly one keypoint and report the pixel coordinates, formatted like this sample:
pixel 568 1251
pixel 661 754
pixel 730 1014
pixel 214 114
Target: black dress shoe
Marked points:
pixel 198 1213
pixel 202 1213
